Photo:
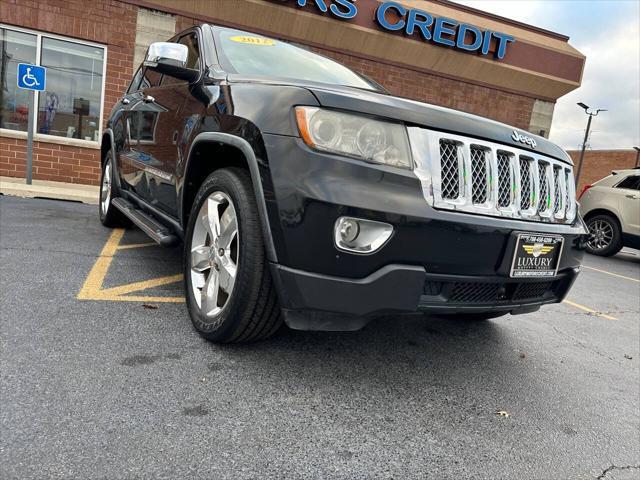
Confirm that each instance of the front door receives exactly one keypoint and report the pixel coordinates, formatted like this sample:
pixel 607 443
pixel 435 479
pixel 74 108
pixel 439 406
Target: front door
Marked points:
pixel 160 120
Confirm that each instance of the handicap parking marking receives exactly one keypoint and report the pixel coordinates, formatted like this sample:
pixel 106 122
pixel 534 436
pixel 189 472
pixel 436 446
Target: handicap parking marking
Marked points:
pixel 93 285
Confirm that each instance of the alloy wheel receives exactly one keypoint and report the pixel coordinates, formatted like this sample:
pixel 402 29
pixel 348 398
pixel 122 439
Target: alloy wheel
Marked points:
pixel 214 254
pixel 600 235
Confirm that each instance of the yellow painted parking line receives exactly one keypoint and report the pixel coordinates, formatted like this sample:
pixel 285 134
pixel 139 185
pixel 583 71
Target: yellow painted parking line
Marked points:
pixel 611 273
pixel 93 290
pixel 138 298
pixel 137 286
pixel 589 310
pixel 137 245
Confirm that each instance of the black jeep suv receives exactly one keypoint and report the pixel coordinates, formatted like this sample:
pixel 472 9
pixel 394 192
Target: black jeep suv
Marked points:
pixel 303 191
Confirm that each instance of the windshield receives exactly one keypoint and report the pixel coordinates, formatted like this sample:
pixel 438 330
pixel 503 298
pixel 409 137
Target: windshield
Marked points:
pixel 250 54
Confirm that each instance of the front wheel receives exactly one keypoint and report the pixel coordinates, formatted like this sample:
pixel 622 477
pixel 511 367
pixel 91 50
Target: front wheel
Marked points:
pixel 230 293
pixel 605 238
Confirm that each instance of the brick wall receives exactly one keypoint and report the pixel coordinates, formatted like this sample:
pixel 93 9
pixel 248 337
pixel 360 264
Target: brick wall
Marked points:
pixel 599 163
pixel 480 100
pixel 109 22
pixel 113 23
pixel 487 102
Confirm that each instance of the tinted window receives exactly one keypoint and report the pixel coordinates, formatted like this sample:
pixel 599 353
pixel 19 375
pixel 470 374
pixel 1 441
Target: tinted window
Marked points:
pixel 135 82
pixel 150 78
pixel 191 41
pixel 632 182
pixel 193 58
pixel 250 54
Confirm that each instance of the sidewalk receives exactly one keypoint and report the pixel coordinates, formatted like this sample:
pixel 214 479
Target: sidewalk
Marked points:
pixel 53 190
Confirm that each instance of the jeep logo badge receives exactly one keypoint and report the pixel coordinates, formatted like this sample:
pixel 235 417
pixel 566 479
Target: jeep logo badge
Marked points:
pixel 518 137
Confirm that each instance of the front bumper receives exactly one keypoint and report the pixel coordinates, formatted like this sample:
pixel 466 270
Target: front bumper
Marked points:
pixel 431 260
pixel 320 302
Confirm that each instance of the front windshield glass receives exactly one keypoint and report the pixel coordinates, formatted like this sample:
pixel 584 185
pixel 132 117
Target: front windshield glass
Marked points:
pixel 250 54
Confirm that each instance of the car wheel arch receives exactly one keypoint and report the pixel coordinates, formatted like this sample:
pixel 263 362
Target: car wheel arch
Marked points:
pixel 106 145
pixel 602 211
pixel 237 152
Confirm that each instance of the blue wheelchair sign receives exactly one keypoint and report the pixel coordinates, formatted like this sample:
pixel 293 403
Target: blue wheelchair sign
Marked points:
pixel 31 77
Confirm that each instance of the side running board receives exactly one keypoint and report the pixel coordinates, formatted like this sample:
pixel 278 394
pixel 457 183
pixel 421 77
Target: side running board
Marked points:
pixel 149 225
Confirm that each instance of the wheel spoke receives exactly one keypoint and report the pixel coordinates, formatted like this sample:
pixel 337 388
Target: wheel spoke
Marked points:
pixel 228 227
pixel 209 298
pixel 227 274
pixel 213 217
pixel 200 258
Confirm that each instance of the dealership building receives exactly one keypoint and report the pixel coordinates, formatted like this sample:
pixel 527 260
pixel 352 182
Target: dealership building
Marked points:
pixel 434 51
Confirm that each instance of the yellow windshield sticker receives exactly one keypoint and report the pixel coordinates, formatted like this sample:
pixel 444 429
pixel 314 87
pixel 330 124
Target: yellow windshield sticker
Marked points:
pixel 254 40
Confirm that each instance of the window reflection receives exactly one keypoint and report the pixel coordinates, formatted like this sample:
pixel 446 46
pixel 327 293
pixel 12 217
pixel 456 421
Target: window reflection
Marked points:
pixel 15 48
pixel 70 107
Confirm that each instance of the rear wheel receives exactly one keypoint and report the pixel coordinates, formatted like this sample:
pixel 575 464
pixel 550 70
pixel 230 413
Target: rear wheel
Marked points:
pixel 230 293
pixel 110 216
pixel 605 238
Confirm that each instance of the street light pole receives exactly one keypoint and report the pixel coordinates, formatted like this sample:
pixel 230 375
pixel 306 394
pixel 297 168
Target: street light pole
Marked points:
pixel 637 149
pixel 586 136
pixel 584 147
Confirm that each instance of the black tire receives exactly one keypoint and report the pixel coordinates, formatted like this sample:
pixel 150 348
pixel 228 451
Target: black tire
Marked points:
pixel 250 311
pixel 110 216
pixel 605 236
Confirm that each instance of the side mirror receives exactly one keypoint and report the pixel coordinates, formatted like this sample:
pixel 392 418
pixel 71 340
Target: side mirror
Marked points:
pixel 171 59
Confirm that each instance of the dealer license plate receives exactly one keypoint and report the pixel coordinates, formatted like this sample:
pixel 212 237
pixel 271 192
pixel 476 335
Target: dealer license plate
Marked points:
pixel 536 255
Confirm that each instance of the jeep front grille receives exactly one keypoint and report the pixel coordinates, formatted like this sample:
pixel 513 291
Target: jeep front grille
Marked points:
pixel 463 174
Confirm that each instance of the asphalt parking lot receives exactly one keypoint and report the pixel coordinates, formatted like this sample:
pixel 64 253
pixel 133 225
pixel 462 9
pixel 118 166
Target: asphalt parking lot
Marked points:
pixel 102 376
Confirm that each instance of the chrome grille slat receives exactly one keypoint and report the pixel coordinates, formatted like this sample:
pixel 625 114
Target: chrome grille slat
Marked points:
pixel 470 175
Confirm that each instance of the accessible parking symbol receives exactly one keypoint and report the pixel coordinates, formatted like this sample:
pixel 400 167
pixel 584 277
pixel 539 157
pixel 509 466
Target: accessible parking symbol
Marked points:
pixel 31 77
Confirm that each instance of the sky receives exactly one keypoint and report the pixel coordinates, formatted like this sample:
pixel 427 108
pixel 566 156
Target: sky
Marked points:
pixel 608 33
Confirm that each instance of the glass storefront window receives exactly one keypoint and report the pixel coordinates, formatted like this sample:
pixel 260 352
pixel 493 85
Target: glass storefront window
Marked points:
pixel 15 48
pixel 71 105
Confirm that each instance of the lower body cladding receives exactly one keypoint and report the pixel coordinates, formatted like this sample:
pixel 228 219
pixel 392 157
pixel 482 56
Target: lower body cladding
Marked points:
pixel 434 262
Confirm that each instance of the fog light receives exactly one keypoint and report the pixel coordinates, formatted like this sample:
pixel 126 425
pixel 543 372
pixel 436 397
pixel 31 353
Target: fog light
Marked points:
pixel 348 230
pixel 361 236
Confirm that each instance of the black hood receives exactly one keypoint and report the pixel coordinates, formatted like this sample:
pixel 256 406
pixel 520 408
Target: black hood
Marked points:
pixel 411 112
pixel 432 117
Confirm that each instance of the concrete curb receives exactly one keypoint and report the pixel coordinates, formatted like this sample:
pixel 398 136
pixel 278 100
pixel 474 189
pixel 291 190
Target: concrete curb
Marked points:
pixel 53 190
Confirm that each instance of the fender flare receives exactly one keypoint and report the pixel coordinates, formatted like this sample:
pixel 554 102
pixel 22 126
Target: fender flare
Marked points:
pixel 108 132
pixel 254 172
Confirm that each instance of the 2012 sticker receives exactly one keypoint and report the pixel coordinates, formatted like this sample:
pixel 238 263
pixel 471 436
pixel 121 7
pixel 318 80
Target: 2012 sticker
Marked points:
pixel 265 42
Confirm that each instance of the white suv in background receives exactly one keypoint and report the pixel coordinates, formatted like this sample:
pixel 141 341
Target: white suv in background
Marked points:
pixel 611 209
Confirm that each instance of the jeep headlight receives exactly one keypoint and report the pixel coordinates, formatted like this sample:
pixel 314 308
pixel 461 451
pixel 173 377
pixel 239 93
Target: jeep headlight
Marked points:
pixel 355 136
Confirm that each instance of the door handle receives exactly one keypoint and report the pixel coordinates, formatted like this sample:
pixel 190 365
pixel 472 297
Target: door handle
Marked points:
pixel 632 196
pixel 125 101
pixel 149 99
